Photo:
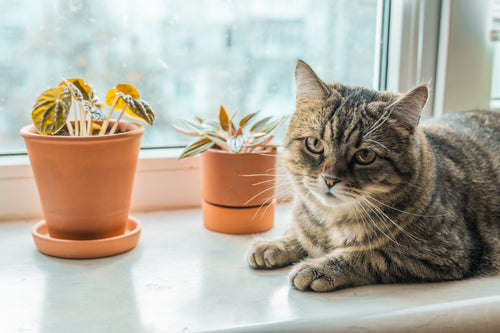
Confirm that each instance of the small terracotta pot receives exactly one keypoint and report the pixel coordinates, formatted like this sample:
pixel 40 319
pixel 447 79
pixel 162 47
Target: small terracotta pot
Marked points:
pixel 238 190
pixel 85 183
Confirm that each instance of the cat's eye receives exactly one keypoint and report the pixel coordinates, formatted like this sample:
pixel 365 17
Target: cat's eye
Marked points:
pixel 314 145
pixel 365 156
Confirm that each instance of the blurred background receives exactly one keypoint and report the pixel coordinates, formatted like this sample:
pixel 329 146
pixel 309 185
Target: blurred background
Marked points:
pixel 185 57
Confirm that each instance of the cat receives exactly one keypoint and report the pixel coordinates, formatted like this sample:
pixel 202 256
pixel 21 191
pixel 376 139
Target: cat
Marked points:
pixel 381 198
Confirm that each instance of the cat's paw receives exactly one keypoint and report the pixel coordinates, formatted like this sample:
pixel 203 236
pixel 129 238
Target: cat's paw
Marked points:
pixel 312 275
pixel 267 254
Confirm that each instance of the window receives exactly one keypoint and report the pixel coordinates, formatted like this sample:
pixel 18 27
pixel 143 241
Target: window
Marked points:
pixel 185 57
pixel 495 37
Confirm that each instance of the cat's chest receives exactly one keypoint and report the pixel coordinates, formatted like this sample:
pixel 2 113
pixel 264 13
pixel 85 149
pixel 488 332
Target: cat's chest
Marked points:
pixel 322 232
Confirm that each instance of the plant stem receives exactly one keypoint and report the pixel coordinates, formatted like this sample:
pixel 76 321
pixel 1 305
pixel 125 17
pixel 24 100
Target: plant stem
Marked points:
pixel 113 129
pixel 70 128
pixel 83 130
pixel 106 122
pixel 77 132
pixel 90 127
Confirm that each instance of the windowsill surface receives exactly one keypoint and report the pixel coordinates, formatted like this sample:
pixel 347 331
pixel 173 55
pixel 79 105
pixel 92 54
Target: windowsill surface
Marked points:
pixel 182 278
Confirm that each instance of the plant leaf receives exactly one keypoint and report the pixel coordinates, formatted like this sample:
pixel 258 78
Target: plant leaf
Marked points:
pixel 197 147
pixel 51 110
pixel 85 92
pixel 139 109
pixel 245 120
pixel 194 127
pixel 210 125
pixel 94 112
pixel 235 143
pixel 260 124
pixel 223 119
pixel 219 140
pixel 184 131
pixel 125 89
pixel 129 99
pixel 77 86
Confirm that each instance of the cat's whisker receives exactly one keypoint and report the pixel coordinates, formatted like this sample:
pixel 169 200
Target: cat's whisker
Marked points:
pixel 381 145
pixel 415 238
pixel 271 188
pixel 376 225
pixel 383 118
pixel 267 202
pixel 402 211
pixel 362 218
pixel 264 182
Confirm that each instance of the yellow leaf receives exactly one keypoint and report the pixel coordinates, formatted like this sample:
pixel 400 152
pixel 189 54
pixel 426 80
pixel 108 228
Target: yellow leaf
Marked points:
pixel 51 110
pixel 125 89
pixel 128 89
pixel 129 98
pixel 84 88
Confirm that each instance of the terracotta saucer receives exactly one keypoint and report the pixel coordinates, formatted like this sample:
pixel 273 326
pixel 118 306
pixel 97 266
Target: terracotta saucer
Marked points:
pixel 86 249
pixel 238 220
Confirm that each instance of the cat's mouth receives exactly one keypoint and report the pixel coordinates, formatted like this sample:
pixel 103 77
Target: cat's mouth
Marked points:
pixel 330 195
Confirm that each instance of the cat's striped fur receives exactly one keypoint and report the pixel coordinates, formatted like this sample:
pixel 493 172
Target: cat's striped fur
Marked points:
pixel 426 208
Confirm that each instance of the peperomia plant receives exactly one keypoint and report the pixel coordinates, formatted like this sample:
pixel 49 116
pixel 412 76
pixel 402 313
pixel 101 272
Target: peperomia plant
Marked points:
pixel 52 109
pixel 226 135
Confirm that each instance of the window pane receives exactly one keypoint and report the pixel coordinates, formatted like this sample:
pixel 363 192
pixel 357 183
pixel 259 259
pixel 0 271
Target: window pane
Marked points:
pixel 495 36
pixel 185 57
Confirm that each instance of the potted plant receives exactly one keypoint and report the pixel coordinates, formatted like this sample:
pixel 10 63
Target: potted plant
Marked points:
pixel 238 170
pixel 84 168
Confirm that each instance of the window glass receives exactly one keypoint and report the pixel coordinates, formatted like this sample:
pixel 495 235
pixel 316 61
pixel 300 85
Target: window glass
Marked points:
pixel 185 57
pixel 495 37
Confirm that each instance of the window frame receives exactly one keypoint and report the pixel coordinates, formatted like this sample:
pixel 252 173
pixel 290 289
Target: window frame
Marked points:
pixel 423 46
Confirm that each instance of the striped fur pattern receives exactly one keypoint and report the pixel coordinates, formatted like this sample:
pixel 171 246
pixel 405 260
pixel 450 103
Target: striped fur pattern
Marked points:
pixel 381 198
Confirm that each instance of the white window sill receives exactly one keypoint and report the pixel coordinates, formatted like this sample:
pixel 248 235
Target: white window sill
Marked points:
pixel 161 182
pixel 182 277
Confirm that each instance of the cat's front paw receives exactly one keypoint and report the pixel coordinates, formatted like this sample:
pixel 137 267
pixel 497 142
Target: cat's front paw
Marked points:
pixel 313 275
pixel 267 254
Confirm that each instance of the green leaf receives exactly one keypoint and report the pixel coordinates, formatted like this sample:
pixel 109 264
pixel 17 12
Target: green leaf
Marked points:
pixel 139 109
pixel 224 119
pixel 245 120
pixel 258 125
pixel 197 148
pixel 198 128
pixel 261 142
pixel 51 110
pixel 93 111
pixel 184 131
pixel 221 141
pixel 235 143
pixel 211 126
pixel 265 131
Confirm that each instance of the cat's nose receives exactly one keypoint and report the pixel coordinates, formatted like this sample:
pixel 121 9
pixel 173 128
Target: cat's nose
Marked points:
pixel 331 181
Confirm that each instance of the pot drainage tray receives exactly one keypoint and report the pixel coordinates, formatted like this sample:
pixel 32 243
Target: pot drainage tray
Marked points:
pixel 86 249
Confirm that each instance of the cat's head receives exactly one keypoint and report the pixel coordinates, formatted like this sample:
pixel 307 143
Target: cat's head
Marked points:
pixel 344 143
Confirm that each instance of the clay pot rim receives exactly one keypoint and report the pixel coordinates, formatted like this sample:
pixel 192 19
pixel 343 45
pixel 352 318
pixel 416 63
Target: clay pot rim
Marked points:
pixel 268 150
pixel 131 129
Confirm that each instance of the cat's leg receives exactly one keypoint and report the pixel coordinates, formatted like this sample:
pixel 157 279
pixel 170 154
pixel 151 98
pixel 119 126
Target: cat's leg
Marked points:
pixel 337 270
pixel 274 253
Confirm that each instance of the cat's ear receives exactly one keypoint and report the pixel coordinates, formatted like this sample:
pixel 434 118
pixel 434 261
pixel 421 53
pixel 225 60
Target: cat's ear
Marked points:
pixel 408 109
pixel 309 87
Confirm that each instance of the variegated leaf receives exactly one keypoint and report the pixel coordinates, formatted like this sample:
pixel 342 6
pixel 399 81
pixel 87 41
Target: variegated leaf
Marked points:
pixel 51 110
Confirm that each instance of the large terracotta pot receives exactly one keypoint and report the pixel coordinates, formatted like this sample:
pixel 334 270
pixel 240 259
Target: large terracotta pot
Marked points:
pixel 238 190
pixel 85 183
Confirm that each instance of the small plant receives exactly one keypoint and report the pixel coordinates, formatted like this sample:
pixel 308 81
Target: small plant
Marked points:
pixel 53 107
pixel 226 136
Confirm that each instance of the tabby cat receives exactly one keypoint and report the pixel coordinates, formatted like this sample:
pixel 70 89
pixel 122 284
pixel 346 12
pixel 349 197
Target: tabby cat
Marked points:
pixel 381 199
